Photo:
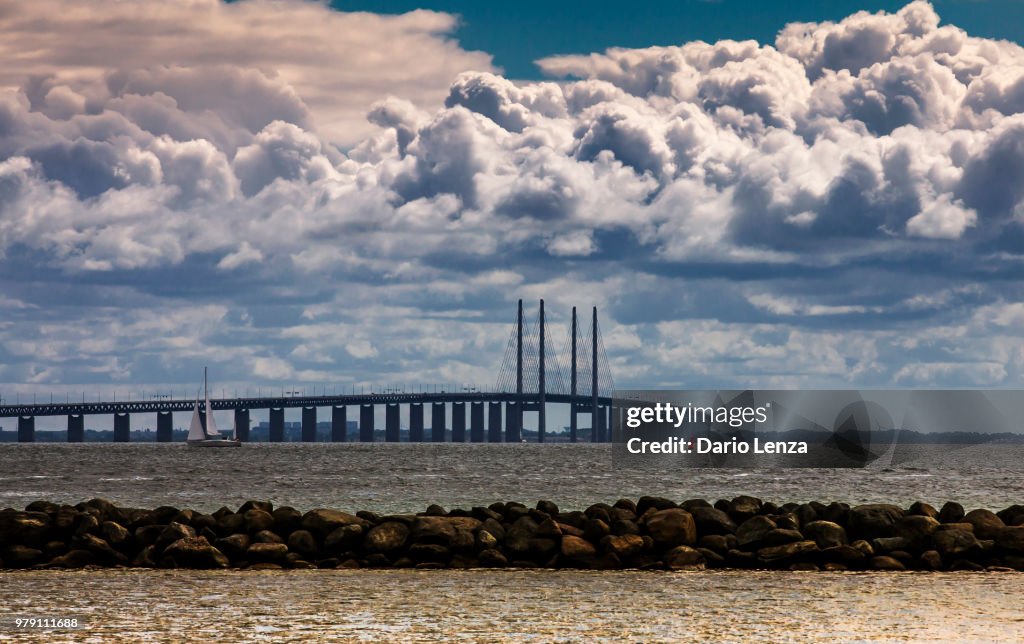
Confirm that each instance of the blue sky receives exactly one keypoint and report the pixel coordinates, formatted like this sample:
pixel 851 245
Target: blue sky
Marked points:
pixel 518 33
pixel 298 195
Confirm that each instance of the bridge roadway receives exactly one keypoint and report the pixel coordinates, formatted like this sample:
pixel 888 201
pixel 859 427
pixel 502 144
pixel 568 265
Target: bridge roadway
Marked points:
pixel 514 404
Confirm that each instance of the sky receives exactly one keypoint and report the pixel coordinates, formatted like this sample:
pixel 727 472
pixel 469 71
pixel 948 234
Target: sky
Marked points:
pixel 819 195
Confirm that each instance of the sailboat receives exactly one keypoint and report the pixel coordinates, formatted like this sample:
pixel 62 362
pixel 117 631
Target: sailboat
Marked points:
pixel 199 436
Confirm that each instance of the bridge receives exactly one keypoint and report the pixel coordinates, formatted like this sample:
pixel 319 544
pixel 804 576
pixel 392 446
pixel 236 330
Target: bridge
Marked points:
pixel 530 378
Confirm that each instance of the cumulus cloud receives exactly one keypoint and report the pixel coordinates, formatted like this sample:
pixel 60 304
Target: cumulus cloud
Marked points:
pixel 794 204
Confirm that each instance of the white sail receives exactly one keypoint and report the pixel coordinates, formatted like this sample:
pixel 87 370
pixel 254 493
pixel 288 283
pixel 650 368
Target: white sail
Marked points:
pixel 211 424
pixel 195 429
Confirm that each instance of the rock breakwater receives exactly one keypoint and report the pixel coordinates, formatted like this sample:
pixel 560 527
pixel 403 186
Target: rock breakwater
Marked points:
pixel 650 533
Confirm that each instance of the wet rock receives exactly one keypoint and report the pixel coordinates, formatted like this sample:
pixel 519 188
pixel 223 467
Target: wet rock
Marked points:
pixel 672 527
pixel 805 513
pixel 1013 515
pixel 930 560
pixel 74 559
pixel 492 558
pixel 825 533
pixel 378 560
pixel 495 528
pixel 195 552
pixel 873 520
pixel 836 513
pixel 599 511
pixel 920 508
pixel 844 554
pixel 435 510
pixel 272 552
pixel 267 536
pixel 684 558
pixel 374 518
pixel 548 528
pixel 572 530
pixel 625 546
pixel 951 512
pixel 286 520
pixel 146 558
pixel 519 534
pixel 741 558
pixel 87 524
pixel 114 533
pixel 621 527
pixel 595 529
pixel 751 532
pixel 302 542
pixel 888 544
pixel 886 563
pixel 955 543
pixel 712 558
pixel 787 521
pixel 656 502
pixel 916 529
pixel 234 546
pixel 864 547
pixel 548 507
pixel 463 541
pixel 1011 539
pixel 743 507
pixel 99 547
pixel 716 542
pixel 264 565
pixel 577 549
pixel 787 552
pixel 23 528
pixel 386 537
pixel 986 524
pixel 173 532
pixel 831 566
pixel 257 520
pixel 779 537
pixel 322 522
pixel 429 552
pixel 440 530
pixel 964 564
pixel 19 556
pixel 344 538
pixel 712 521
pixel 483 514
pixel 265 506
pixel 230 524
pixel 804 566
pixel 485 540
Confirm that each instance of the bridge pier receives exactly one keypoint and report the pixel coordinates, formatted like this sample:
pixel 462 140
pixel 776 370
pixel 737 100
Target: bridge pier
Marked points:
pixel 76 428
pixel 458 422
pixel 437 423
pixel 277 425
pixel 476 422
pixel 573 423
pixel 366 423
pixel 601 425
pixel 513 422
pixel 309 424
pixel 122 428
pixel 392 422
pixel 26 429
pixel 339 424
pixel 494 422
pixel 241 425
pixel 164 427
pixel 416 423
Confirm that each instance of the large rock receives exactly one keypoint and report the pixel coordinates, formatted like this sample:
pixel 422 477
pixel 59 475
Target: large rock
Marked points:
pixel 986 524
pixel 780 536
pixel 19 556
pixel 916 529
pixel 1011 539
pixel 73 559
pixel 257 520
pixel 825 533
pixel 953 543
pixel 519 534
pixel 743 507
pixel 886 563
pixel 625 546
pixel 103 550
pixel 787 552
pixel 24 528
pixel 712 521
pixel 951 512
pixel 347 537
pixel 195 552
pixel 751 532
pixel 270 552
pixel 684 558
pixel 873 520
pixel 386 537
pixel 302 542
pixel 234 546
pixel 577 549
pixel 672 527
pixel 1013 515
pixel 322 521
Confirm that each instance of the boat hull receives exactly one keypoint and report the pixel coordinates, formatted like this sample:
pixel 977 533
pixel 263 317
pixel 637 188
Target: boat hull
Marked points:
pixel 210 442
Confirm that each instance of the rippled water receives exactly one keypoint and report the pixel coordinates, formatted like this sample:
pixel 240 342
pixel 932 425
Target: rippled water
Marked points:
pixel 408 477
pixel 478 605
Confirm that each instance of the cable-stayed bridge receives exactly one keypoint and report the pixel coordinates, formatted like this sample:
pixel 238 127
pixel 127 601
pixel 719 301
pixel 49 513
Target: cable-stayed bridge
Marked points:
pixel 535 372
